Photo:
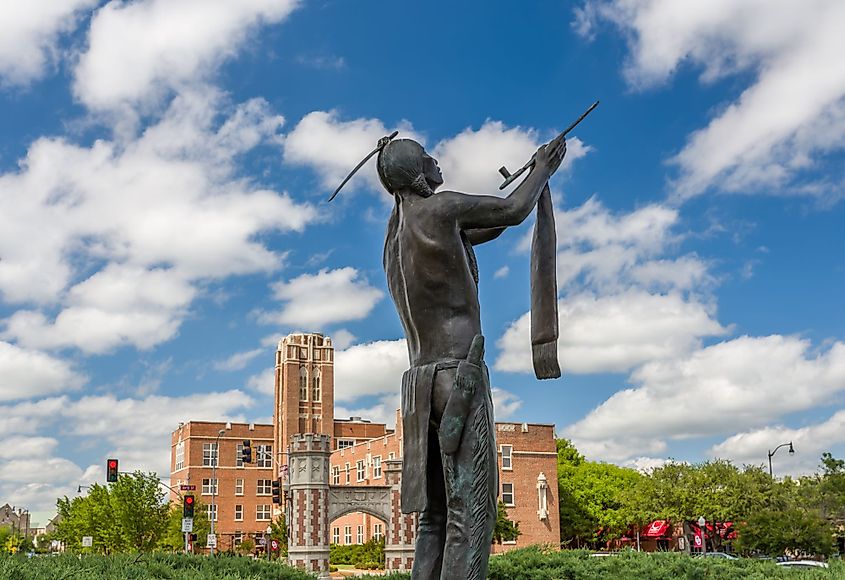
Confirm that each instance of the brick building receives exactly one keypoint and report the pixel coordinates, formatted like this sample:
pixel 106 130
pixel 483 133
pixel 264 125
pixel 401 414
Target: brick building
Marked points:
pixel 304 399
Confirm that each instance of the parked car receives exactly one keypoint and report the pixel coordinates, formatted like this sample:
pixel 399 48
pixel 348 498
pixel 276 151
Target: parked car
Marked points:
pixel 721 555
pixel 803 564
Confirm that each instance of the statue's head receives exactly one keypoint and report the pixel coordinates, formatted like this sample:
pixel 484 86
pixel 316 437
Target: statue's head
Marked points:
pixel 404 164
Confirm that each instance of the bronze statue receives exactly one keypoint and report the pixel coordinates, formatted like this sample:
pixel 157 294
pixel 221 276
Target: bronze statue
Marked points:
pixel 449 472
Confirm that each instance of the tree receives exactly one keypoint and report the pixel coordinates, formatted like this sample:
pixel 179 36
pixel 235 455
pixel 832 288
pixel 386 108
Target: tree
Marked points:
pixel 506 530
pixel 173 538
pixel 280 533
pixel 128 516
pixel 775 531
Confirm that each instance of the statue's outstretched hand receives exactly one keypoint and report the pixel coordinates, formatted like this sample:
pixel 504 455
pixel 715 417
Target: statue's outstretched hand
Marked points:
pixel 551 155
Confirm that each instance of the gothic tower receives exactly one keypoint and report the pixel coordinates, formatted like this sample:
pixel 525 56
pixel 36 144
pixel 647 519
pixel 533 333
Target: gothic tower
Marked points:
pixel 304 389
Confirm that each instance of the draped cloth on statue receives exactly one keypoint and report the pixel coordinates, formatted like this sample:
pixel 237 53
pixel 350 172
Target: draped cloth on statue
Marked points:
pixel 544 317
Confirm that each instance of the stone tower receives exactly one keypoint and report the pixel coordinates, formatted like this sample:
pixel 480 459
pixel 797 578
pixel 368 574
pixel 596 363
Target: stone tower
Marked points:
pixel 304 389
pixel 308 489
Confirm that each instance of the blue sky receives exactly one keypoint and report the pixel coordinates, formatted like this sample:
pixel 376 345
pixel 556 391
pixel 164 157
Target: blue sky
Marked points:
pixel 164 166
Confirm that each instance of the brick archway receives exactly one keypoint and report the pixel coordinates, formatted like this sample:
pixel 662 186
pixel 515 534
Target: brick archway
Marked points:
pixel 314 504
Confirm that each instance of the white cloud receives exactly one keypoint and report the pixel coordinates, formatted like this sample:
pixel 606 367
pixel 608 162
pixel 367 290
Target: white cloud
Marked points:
pixel 502 273
pixel 373 368
pixel 749 381
pixel 26 374
pixel 263 382
pixel 614 333
pixel 29 36
pixel 315 300
pixel 383 411
pixel 17 447
pixel 343 339
pixel 792 113
pixel 470 160
pixel 238 360
pixel 163 213
pixel 752 447
pixel 505 403
pixel 332 147
pixel 138 52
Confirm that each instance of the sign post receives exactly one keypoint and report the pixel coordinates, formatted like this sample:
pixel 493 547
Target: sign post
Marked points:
pixel 211 541
pixel 87 541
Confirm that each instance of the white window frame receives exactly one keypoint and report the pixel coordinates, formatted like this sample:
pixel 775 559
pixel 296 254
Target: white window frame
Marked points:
pixel 347 535
pixel 378 533
pixel 180 456
pixel 239 486
pixel 210 455
pixel 264 487
pixel 210 486
pixel 239 455
pixel 507 457
pixel 211 511
pixel 345 443
pixel 303 383
pixel 239 512
pixel 335 535
pixel 336 476
pixel 263 512
pixel 360 535
pixel 348 474
pixel 316 385
pixel 360 470
pixel 264 456
pixel 512 494
pixel 377 467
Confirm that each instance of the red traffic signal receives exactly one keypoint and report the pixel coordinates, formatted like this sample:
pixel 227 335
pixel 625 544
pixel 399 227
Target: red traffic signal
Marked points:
pixel 188 506
pixel 111 470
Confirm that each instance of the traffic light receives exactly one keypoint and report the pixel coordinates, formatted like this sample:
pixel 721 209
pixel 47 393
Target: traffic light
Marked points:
pixel 111 470
pixel 277 492
pixel 246 453
pixel 193 537
pixel 188 506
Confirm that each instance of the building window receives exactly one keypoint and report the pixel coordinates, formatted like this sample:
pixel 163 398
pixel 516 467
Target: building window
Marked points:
pixel 303 384
pixel 507 494
pixel 239 486
pixel 262 513
pixel 315 385
pixel 347 535
pixel 378 532
pixel 317 354
pixel 209 486
pixel 264 487
pixel 348 474
pixel 507 457
pixel 239 455
pixel 335 535
pixel 209 454
pixel 238 538
pixel 264 455
pixel 361 470
pixel 239 513
pixel 335 477
pixel 360 535
pixel 303 352
pixel 377 467
pixel 211 512
pixel 180 456
pixel 344 443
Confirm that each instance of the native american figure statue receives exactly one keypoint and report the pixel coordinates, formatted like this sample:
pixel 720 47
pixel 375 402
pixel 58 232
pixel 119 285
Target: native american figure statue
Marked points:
pixel 449 472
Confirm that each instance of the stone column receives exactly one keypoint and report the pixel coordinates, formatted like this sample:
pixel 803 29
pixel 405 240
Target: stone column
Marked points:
pixel 308 510
pixel 402 528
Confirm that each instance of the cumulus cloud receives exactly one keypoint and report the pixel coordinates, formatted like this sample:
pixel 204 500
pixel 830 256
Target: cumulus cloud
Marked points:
pixel 373 368
pixel 263 382
pixel 26 374
pixel 614 333
pixel 332 147
pixel 315 300
pixel 505 403
pixel 163 214
pixel 791 114
pixel 748 381
pixel 30 33
pixel 139 52
pixel 382 411
pixel 238 360
pixel 752 446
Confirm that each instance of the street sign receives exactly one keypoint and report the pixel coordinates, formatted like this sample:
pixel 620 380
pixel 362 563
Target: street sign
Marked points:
pixel 187 488
pixel 187 524
pixel 211 541
pixel 87 541
pixel 274 545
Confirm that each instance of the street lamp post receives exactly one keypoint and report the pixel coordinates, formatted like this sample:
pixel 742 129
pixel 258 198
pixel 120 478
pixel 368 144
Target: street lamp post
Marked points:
pixel 269 531
pixel 216 458
pixel 771 453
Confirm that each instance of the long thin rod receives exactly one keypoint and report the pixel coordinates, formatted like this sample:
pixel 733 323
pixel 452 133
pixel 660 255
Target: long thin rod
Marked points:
pixel 361 164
